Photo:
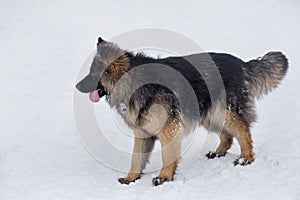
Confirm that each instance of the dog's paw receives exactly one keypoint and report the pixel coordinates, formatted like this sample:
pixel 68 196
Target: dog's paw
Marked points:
pixel 212 155
pixel 160 180
pixel 124 181
pixel 129 179
pixel 243 161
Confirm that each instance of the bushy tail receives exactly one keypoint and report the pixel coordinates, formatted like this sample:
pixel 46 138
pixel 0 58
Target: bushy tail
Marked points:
pixel 264 74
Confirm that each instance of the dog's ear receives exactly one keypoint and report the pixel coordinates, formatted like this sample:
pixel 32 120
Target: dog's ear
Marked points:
pixel 100 40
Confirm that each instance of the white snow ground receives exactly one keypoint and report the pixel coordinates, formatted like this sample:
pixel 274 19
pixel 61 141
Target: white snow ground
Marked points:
pixel 42 47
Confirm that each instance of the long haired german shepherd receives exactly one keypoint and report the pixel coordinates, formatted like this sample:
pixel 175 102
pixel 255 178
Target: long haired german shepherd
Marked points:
pixel 154 111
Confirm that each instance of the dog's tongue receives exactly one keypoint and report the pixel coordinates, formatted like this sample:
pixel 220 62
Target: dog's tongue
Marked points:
pixel 94 96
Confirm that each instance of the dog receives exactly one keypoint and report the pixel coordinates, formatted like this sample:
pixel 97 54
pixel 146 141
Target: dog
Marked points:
pixel 155 111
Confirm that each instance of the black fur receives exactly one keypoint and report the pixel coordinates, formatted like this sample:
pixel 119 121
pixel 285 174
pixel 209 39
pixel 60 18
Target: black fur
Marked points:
pixel 228 66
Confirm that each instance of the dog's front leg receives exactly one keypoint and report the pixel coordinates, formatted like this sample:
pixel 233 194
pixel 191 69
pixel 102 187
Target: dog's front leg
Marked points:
pixel 170 138
pixel 143 145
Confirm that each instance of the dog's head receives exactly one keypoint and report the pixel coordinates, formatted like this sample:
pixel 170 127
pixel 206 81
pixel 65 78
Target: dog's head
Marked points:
pixel 107 53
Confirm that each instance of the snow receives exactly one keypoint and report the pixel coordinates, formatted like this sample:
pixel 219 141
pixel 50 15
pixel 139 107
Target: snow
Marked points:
pixel 42 47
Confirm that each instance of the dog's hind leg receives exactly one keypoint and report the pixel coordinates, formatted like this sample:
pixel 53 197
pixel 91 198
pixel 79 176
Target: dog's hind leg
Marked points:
pixel 143 146
pixel 225 144
pixel 237 128
pixel 170 138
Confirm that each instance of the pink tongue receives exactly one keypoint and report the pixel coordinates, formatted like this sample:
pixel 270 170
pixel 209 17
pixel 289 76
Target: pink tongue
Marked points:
pixel 94 96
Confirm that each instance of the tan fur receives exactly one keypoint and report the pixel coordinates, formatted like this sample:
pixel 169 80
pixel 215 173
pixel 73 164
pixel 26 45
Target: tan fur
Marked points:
pixel 237 128
pixel 225 144
pixel 170 138
pixel 143 145
pixel 214 119
pixel 116 68
pixel 233 126
pixel 154 120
